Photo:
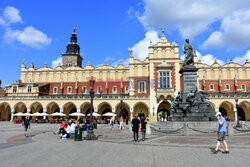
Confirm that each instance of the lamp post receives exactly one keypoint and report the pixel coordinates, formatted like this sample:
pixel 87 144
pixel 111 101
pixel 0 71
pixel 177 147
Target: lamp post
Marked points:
pixel 91 135
pixel 121 109
pixel 237 106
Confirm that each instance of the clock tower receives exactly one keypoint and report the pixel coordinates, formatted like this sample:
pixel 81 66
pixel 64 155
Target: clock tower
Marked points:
pixel 72 56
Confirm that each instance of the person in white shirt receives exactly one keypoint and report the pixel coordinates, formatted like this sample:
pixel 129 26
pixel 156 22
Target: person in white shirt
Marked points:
pixel 73 127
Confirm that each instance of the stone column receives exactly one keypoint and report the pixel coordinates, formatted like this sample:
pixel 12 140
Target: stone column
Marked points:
pixel 44 111
pixel 131 116
pixel 28 110
pixel 61 110
pixel 148 129
pixel 12 114
pixel 78 109
pixel 235 114
pixel 216 109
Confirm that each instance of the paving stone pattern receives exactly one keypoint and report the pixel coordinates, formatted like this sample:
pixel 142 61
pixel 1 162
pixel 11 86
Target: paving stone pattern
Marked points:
pixel 115 148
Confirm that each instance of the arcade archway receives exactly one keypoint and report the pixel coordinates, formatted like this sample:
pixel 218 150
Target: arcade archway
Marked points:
pixel 85 108
pixel 20 107
pixel 69 108
pixel 52 108
pixel 244 111
pixel 36 107
pixel 104 108
pixel 226 109
pixel 163 112
pixel 141 109
pixel 5 112
pixel 122 110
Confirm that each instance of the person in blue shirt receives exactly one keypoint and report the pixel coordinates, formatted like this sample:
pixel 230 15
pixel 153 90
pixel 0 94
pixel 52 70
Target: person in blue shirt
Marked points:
pixel 221 133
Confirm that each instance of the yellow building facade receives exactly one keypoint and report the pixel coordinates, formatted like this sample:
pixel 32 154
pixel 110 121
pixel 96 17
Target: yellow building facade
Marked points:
pixel 143 87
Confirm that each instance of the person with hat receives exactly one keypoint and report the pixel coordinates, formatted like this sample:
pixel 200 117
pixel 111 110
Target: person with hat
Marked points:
pixel 221 133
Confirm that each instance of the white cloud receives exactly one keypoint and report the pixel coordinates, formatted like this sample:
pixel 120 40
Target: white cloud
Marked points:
pixel 57 62
pixel 242 59
pixel 234 32
pixel 2 21
pixel 208 59
pixel 29 36
pixel 140 49
pixel 109 59
pixel 10 15
pixel 189 17
pixel 124 62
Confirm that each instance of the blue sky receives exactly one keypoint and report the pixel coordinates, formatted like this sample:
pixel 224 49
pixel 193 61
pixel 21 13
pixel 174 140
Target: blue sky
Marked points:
pixel 40 31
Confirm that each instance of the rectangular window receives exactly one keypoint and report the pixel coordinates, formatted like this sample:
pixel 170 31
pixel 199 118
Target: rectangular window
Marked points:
pixel 142 86
pixel 227 87
pixel 165 80
pixel 55 90
pixel 126 89
pixel 14 89
pixel 114 89
pixel 84 90
pixel 243 87
pixel 99 90
pixel 69 90
pixel 29 89
pixel 211 87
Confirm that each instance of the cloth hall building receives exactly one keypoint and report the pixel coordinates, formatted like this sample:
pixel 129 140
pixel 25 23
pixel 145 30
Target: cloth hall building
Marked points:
pixel 143 87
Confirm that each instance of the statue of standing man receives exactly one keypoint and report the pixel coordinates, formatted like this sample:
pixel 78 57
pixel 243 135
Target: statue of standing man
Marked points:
pixel 189 53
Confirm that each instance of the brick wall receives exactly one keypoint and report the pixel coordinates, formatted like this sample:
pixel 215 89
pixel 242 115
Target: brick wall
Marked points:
pixel 223 85
pixel 173 77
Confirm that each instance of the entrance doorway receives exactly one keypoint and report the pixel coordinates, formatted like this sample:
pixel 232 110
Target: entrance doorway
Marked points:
pixel 163 113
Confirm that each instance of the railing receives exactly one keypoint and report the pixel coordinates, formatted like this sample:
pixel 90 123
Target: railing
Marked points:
pixel 74 96
pixel 227 95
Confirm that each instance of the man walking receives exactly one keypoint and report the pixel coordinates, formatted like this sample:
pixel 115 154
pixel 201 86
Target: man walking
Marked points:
pixel 26 124
pixel 135 128
pixel 221 133
pixel 143 127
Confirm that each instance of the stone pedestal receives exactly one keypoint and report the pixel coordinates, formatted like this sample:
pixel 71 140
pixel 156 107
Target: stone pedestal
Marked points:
pixel 185 112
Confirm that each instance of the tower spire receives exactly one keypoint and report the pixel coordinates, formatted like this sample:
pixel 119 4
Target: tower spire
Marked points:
pixel 74 28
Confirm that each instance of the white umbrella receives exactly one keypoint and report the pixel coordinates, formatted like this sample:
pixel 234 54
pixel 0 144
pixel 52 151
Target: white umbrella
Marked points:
pixel 44 114
pixel 19 114
pixel 36 114
pixel 76 114
pixel 95 114
pixel 58 114
pixel 27 114
pixel 109 114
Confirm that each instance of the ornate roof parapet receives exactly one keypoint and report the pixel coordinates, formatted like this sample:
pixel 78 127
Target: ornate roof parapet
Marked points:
pixel 247 61
pixel 231 61
pixel 163 37
pixel 164 65
pixel 32 65
pixel 131 53
pixel 23 64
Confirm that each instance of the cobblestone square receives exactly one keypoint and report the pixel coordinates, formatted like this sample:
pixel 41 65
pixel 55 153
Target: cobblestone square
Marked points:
pixel 115 148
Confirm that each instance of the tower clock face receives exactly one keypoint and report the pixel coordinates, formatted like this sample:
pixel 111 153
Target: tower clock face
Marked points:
pixel 69 59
